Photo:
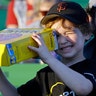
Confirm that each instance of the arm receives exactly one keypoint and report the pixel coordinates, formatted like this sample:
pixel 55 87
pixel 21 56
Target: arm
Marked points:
pixel 6 88
pixel 74 80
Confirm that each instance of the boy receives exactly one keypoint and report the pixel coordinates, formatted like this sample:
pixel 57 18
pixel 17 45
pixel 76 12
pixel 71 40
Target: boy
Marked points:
pixel 74 75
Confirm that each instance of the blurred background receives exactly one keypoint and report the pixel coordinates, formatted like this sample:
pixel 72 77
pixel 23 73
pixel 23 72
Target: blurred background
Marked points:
pixel 4 5
pixel 3 12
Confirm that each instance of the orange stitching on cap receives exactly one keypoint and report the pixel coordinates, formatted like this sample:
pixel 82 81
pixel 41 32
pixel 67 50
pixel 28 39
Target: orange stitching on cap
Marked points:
pixel 61 6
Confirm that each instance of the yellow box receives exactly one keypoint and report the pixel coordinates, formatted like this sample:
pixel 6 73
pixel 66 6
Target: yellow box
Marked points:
pixel 14 44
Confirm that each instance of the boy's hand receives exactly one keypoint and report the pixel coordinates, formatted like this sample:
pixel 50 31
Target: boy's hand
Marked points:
pixel 42 50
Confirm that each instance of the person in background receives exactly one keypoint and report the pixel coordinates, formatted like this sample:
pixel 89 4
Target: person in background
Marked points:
pixel 20 13
pixel 90 46
pixel 74 75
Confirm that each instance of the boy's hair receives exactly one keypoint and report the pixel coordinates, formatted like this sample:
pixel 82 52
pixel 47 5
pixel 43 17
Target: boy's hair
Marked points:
pixel 84 28
pixel 71 11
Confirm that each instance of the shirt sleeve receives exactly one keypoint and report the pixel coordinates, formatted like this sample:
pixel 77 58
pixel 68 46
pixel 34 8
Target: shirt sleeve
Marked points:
pixel 11 18
pixel 92 78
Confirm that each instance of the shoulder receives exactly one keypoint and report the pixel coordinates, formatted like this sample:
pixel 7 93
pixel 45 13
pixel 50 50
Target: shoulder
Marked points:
pixel 85 66
pixel 89 63
pixel 88 66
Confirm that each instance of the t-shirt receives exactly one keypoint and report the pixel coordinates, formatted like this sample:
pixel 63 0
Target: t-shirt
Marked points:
pixel 47 83
pixel 11 18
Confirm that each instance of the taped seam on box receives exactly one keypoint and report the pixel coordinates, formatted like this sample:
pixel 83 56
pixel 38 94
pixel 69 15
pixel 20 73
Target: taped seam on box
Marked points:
pixel 11 53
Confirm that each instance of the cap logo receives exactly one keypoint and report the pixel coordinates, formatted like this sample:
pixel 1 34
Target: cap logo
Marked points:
pixel 61 6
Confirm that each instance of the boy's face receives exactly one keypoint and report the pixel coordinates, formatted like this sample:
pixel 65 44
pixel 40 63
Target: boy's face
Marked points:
pixel 70 39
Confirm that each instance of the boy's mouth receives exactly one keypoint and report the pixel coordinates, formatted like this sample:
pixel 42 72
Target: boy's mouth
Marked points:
pixel 66 47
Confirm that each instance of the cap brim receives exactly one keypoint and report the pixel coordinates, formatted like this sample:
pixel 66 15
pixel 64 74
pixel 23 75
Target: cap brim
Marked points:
pixel 47 18
pixel 50 17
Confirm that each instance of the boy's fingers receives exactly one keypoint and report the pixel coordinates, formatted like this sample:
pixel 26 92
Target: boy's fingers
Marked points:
pixel 32 48
pixel 36 38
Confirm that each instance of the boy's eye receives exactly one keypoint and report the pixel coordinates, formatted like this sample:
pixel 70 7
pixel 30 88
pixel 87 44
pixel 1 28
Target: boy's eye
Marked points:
pixel 68 33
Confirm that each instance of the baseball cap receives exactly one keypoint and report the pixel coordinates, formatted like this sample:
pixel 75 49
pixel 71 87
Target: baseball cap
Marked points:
pixel 69 10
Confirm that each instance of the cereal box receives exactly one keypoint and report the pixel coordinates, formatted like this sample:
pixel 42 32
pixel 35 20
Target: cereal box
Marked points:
pixel 14 44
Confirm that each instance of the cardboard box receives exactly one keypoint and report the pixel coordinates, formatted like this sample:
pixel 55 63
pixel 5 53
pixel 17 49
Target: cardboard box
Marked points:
pixel 14 44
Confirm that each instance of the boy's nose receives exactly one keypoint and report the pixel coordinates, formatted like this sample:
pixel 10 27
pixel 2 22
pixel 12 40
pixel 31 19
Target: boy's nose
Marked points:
pixel 62 39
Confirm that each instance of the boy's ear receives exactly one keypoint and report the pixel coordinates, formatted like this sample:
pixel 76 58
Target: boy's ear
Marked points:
pixel 88 36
